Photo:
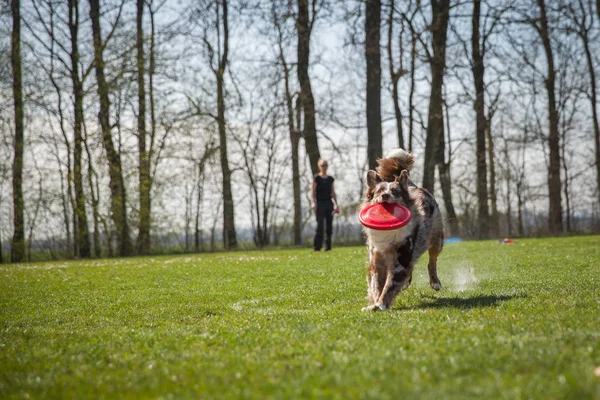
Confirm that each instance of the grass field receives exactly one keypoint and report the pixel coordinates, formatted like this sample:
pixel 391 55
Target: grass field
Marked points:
pixel 511 322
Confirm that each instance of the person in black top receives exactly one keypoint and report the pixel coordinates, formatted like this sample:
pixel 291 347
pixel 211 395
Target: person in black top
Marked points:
pixel 324 202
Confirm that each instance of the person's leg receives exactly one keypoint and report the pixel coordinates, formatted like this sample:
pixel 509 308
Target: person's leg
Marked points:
pixel 328 226
pixel 320 222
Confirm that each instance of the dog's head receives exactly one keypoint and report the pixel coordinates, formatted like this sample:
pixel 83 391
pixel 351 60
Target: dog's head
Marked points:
pixel 380 191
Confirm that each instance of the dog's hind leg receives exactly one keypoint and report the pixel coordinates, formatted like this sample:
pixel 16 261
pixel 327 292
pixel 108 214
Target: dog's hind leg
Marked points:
pixel 434 281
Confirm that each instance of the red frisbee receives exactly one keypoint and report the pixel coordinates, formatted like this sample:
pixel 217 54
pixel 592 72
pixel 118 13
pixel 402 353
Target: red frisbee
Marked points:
pixel 384 216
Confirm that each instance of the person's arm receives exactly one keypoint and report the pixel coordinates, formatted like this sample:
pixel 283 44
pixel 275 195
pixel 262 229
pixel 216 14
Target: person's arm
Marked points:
pixel 334 197
pixel 313 195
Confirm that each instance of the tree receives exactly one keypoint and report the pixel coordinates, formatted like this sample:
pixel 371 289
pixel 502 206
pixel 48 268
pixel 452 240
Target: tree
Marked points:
pixel 95 200
pixel 478 68
pixel 541 26
pixel 219 58
pixel 261 147
pixel 63 61
pixel 409 19
pixel 373 58
pixel 293 128
pixel 582 24
pixel 117 185
pixel 18 240
pixel 82 235
pixel 443 163
pixel 396 73
pixel 229 236
pixel 143 240
pixel 304 25
pixel 440 10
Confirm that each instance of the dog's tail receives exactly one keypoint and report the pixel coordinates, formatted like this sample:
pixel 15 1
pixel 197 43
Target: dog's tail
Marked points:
pixel 391 166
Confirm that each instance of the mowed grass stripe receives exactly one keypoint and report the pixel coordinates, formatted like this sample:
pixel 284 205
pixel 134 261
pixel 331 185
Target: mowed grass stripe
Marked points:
pixel 511 321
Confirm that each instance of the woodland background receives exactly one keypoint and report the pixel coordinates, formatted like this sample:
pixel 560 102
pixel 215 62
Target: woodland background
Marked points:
pixel 145 126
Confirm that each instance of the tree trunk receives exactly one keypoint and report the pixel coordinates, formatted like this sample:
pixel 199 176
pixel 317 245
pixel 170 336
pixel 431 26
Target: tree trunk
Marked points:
pixel 198 242
pixel 494 218
pixel 94 194
pixel 83 236
pixel 117 187
pixel 411 95
pixel 446 180
pixel 373 58
pixel 395 75
pixel 229 235
pixel 435 126
pixel 295 139
pixel 18 241
pixel 65 206
pixel 294 132
pixel 508 179
pixel 304 27
pixel 555 223
pixel 295 142
pixel 478 69
pixel 593 104
pixel 145 183
pixel 509 209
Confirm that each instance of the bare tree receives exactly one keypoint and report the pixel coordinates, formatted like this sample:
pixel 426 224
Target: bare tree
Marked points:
pixel 229 236
pixel 304 24
pixel 95 202
pixel 261 154
pixel 541 25
pixel 293 126
pixel 396 73
pixel 582 24
pixel 83 238
pixel 117 184
pixel 143 240
pixel 18 240
pixel 201 164
pixel 440 10
pixel 373 58
pixel 478 68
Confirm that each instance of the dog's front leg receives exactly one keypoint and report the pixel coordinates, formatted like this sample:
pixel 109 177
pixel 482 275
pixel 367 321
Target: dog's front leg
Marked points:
pixel 382 302
pixel 373 285
pixel 380 278
pixel 400 280
pixel 376 279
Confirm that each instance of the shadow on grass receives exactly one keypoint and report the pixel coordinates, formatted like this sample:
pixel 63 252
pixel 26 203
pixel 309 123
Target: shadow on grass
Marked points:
pixel 465 303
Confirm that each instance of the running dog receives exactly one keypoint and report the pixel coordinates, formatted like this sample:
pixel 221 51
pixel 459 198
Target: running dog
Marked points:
pixel 393 253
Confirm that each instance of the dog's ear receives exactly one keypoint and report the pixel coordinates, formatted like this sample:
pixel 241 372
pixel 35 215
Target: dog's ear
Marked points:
pixel 372 179
pixel 402 179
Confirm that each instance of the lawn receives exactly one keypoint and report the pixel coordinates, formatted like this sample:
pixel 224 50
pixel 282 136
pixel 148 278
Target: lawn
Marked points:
pixel 511 322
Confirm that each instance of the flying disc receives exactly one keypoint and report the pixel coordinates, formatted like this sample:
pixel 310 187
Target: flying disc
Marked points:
pixel 384 216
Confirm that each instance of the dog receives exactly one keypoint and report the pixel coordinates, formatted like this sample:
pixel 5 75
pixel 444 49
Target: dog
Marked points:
pixel 393 253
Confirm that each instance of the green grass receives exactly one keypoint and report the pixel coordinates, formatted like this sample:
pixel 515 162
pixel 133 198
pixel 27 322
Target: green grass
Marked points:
pixel 511 322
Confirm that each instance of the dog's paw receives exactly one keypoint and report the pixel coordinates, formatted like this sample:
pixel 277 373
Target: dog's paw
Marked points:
pixel 436 285
pixel 372 307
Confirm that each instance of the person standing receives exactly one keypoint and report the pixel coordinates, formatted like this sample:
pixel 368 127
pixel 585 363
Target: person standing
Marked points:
pixel 324 203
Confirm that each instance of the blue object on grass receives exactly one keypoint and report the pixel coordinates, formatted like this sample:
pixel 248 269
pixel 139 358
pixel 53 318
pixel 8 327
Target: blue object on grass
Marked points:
pixel 453 240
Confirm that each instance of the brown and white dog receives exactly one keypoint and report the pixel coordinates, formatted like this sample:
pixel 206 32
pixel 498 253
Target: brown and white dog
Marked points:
pixel 393 253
